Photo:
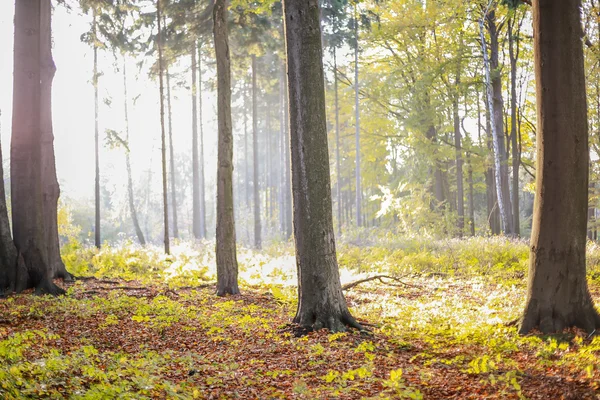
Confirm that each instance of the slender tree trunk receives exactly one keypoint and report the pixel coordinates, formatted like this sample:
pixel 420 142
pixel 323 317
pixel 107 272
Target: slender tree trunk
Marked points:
pixel 471 202
pixel 227 267
pixel 460 196
pixel 8 251
pixel 516 157
pixel 97 236
pixel 494 92
pixel 201 155
pixel 338 186
pixel 163 135
pixel 357 122
pixel 281 150
pixel 132 209
pixel 557 293
pixel 195 165
pixel 172 158
pixel 51 189
pixel 32 34
pixel 246 152
pixel 321 303
pixel 287 166
pixel 257 227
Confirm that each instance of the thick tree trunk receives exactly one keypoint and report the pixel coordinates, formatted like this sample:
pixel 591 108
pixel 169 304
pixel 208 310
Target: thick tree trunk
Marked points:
pixel 163 135
pixel 557 294
pixel 493 213
pixel 321 303
pixel 257 227
pixel 132 209
pixel 227 267
pixel 287 166
pixel 172 159
pixel 27 189
pixel 201 155
pixel 97 236
pixel 494 93
pixel 338 186
pixel 357 123
pixel 195 165
pixel 50 190
pixel 516 156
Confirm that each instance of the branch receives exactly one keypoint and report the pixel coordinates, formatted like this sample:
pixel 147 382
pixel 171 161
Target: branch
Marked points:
pixel 376 277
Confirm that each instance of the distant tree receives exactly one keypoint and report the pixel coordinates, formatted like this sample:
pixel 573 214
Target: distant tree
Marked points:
pixel 32 79
pixel 8 252
pixel 321 302
pixel 159 44
pixel 227 267
pixel 557 294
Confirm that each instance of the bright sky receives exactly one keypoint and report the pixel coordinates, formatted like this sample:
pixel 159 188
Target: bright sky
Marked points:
pixel 73 109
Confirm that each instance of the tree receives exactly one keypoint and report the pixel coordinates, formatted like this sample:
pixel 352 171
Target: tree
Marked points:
pixel 162 127
pixel 30 228
pixel 8 252
pixel 97 225
pixel 557 293
pixel 321 303
pixel 257 227
pixel 227 267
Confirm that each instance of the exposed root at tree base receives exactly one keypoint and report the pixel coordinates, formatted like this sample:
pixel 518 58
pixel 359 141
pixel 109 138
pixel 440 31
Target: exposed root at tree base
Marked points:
pixel 332 323
pixel 550 321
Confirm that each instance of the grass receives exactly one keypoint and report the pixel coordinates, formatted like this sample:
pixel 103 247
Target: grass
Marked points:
pixel 149 326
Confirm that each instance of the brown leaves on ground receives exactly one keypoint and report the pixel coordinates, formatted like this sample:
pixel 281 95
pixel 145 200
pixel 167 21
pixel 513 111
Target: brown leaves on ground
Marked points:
pixel 111 338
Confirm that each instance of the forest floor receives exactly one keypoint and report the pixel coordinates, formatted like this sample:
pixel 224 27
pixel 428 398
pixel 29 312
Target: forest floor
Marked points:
pixel 438 332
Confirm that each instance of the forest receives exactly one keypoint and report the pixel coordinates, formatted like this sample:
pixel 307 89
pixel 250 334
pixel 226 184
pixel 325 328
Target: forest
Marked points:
pixel 299 199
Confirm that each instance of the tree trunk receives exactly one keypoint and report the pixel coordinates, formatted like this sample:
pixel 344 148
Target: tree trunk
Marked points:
pixel 557 293
pixel 50 189
pixel 97 236
pixel 8 252
pixel 195 165
pixel 338 186
pixel 321 303
pixel 257 227
pixel 460 196
pixel 172 158
pixel 494 93
pixel 201 155
pixel 357 123
pixel 162 129
pixel 132 209
pixel 516 156
pixel 281 150
pixel 227 267
pixel 471 203
pixel 246 152
pixel 287 166
pixel 27 189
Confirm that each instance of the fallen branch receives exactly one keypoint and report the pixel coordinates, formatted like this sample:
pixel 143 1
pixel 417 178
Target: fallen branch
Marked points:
pixel 380 279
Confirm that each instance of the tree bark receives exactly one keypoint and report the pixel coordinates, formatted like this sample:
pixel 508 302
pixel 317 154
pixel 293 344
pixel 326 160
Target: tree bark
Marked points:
pixel 516 156
pixel 195 165
pixel 494 93
pixel 321 303
pixel 460 196
pixel 257 227
pixel 51 189
pixel 201 155
pixel 132 209
pixel 161 69
pixel 27 188
pixel 172 158
pixel 338 185
pixel 8 251
pixel 557 293
pixel 97 227
pixel 357 123
pixel 227 267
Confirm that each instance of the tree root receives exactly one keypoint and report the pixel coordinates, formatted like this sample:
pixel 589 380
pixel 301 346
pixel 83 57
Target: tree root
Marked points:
pixel 380 279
